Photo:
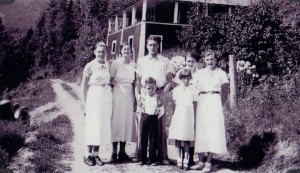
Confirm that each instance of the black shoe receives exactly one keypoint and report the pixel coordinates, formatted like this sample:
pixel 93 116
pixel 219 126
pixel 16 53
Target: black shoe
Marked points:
pixel 89 161
pixel 114 158
pixel 98 161
pixel 123 157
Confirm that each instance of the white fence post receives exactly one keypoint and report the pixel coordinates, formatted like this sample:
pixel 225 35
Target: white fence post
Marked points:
pixel 233 82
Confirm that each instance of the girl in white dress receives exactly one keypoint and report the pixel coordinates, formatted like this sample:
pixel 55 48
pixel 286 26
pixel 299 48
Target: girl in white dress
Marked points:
pixel 122 73
pixel 97 101
pixel 182 124
pixel 212 88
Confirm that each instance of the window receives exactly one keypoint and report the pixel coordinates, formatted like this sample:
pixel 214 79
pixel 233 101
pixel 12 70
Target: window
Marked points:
pixel 130 41
pixel 113 47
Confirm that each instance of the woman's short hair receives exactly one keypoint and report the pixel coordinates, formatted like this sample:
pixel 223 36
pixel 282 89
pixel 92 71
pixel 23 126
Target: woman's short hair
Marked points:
pixel 193 54
pixel 209 53
pixel 123 45
pixel 100 44
pixel 185 73
pixel 150 80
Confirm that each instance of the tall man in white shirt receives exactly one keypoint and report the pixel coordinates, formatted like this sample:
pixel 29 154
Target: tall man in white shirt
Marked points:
pixel 155 66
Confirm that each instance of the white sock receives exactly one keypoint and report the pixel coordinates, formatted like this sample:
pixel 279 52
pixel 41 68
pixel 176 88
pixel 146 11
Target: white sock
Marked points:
pixel 87 154
pixel 95 153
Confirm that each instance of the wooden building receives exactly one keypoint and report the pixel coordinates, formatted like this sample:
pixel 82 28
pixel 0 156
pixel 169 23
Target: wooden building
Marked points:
pixel 137 20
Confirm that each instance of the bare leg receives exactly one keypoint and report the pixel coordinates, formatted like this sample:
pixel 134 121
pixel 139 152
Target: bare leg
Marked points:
pixel 186 155
pixel 179 150
pixel 114 156
pixel 209 157
pixel 89 150
pixel 201 157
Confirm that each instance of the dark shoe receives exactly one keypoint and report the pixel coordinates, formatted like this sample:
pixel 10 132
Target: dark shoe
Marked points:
pixel 114 158
pixel 123 157
pixel 89 160
pixel 98 161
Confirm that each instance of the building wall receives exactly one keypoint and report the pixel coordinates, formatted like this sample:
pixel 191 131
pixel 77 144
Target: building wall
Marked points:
pixel 111 37
pixel 135 32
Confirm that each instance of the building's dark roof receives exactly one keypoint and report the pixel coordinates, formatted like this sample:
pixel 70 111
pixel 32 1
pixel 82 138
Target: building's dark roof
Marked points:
pixel 121 8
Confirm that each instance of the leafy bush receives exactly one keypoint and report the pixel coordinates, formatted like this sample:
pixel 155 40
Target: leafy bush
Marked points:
pixel 266 117
pixel 12 137
pixel 256 33
pixel 4 158
pixel 51 145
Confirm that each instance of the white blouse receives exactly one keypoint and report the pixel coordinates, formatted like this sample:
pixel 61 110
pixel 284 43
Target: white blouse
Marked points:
pixel 98 73
pixel 184 95
pixel 207 80
pixel 122 73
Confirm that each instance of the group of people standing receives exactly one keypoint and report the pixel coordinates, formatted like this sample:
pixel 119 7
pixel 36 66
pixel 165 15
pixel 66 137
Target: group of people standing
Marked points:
pixel 113 92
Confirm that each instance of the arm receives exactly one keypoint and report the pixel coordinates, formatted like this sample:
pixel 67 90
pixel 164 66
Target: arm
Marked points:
pixel 84 87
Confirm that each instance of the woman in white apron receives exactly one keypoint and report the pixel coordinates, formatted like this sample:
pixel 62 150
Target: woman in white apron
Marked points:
pixel 212 85
pixel 97 99
pixel 122 72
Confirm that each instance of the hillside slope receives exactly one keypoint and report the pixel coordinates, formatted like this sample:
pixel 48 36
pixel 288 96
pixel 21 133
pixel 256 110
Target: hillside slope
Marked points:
pixel 22 14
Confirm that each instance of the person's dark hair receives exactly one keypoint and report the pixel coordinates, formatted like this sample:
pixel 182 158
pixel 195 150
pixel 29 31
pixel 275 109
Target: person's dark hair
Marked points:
pixel 185 73
pixel 123 45
pixel 153 38
pixel 193 54
pixel 150 80
pixel 101 44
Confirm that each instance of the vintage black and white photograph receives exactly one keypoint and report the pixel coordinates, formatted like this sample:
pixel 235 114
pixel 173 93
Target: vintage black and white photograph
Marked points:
pixel 162 86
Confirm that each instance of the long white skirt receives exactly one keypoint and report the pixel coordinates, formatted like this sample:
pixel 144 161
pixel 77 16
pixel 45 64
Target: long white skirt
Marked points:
pixel 210 128
pixel 123 116
pixel 98 115
pixel 182 124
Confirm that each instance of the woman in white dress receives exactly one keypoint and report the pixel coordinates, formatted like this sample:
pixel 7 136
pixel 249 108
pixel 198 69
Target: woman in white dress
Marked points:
pixel 97 100
pixel 122 73
pixel 212 86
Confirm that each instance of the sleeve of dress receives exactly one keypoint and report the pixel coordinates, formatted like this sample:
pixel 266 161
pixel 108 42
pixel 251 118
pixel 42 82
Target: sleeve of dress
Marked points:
pixel 113 68
pixel 224 78
pixel 87 70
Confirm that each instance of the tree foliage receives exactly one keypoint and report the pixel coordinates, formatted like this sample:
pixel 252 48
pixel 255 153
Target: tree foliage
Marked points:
pixel 256 33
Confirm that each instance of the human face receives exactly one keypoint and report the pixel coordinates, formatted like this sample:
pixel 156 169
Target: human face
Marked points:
pixel 210 61
pixel 186 81
pixel 152 47
pixel 151 88
pixel 126 51
pixel 100 53
pixel 190 62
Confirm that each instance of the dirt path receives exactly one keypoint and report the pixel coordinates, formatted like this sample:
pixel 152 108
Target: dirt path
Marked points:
pixel 72 107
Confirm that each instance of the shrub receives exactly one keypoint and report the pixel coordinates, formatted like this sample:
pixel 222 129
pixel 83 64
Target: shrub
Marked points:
pixel 51 144
pixel 11 136
pixel 265 117
pixel 4 159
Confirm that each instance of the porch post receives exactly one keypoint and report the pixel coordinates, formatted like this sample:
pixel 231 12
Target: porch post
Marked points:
pixel 175 20
pixel 133 15
pixel 144 14
pixel 116 22
pixel 124 19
